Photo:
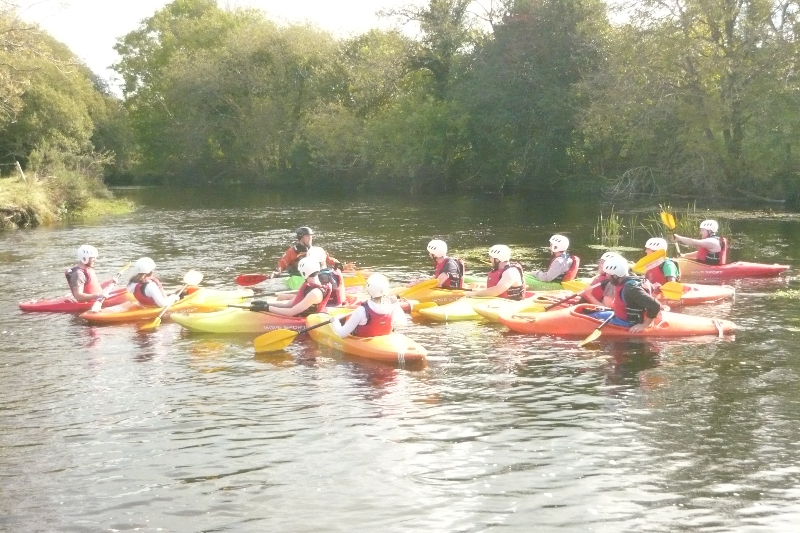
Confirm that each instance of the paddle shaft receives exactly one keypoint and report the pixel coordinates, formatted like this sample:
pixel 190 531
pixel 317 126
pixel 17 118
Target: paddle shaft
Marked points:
pixel 596 333
pixel 568 298
pixel 98 304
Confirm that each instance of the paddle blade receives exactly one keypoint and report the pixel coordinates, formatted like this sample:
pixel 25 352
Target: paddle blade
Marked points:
pixel 151 325
pixel 422 285
pixel 193 277
pixel 246 280
pixel 670 221
pixel 97 305
pixel 649 261
pixel 354 281
pixel 424 305
pixel 593 336
pixel 672 290
pixel 574 285
pixel 274 340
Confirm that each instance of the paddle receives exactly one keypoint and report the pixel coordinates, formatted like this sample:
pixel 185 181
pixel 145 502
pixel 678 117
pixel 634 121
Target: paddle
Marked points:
pixel 671 290
pixel 98 304
pixel 403 292
pixel 281 338
pixel 247 280
pixel 649 261
pixel 192 277
pixel 669 221
pixel 596 333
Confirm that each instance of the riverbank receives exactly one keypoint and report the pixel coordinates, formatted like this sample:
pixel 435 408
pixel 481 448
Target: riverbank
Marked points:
pixel 31 202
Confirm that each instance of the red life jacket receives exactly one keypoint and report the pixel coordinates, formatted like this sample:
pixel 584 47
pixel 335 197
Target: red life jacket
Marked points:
pixel 714 258
pixel 597 292
pixel 141 297
pixel 92 285
pixel 336 280
pixel 377 324
pixel 513 293
pixel 454 281
pixel 571 272
pixel 303 291
pixel 621 309
pixel 656 274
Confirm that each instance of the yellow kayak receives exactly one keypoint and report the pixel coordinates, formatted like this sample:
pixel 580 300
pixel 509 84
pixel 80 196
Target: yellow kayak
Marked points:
pixel 202 299
pixel 491 310
pixel 393 348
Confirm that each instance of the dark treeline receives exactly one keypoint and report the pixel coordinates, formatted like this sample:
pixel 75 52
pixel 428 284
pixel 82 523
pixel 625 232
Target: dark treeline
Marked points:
pixel 692 97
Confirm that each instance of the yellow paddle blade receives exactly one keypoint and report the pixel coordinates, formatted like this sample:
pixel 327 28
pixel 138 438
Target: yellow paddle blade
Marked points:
pixel 670 221
pixel 672 290
pixel 151 325
pixel 422 285
pixel 664 218
pixel 354 281
pixel 649 261
pixel 593 336
pixel 574 285
pixel 274 340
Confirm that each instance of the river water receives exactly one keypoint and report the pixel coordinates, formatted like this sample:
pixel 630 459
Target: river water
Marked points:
pixel 110 429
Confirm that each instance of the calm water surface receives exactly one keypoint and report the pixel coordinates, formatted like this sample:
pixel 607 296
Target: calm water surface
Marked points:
pixel 109 429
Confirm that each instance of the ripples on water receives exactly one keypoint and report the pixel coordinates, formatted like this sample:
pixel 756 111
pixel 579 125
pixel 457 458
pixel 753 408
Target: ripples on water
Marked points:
pixel 106 428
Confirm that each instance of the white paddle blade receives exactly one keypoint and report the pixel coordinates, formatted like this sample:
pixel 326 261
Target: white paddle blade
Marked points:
pixel 193 277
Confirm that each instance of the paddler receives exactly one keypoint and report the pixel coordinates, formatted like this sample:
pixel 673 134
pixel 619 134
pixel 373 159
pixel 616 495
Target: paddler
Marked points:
pixel 505 279
pixel 449 271
pixel 82 279
pixel 632 306
pixel 711 248
pixel 289 261
pixel 593 294
pixel 312 296
pixel 377 316
pixel 146 287
pixel 562 265
pixel 329 274
pixel 664 272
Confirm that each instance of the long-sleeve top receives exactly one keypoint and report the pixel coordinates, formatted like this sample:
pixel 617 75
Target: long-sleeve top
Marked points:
pixel 560 265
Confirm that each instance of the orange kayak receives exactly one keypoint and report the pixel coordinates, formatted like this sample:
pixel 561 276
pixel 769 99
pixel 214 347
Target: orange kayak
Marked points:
pixel 575 322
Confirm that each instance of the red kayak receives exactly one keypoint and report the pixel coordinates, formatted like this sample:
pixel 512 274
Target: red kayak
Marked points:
pixel 575 322
pixel 739 269
pixel 67 304
pixel 694 294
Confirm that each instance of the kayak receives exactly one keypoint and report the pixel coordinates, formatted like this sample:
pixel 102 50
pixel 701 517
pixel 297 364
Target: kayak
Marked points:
pixel 574 322
pixel 202 299
pixel 739 269
pixel 694 294
pixel 68 304
pixel 393 348
pixel 491 311
pixel 467 308
pixel 294 282
pixel 237 320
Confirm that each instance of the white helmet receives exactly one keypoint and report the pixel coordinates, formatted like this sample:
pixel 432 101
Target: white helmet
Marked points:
pixel 377 285
pixel 559 243
pixel 144 265
pixel 501 252
pixel 608 255
pixel 437 248
pixel 616 266
pixel 85 253
pixel 656 243
pixel 308 266
pixel 317 253
pixel 710 225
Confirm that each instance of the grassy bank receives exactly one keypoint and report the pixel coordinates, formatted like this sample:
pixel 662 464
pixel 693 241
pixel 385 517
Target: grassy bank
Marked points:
pixel 36 201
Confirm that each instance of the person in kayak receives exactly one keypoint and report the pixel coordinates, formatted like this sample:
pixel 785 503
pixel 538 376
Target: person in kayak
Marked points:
pixel 712 249
pixel 329 274
pixel 562 266
pixel 290 259
pixel 82 279
pixel 632 306
pixel 593 294
pixel 666 271
pixel 146 287
pixel 312 296
pixel 448 270
pixel 506 278
pixel 377 316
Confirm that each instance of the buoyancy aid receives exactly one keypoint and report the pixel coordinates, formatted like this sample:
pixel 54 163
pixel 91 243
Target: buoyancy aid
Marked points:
pixel 455 281
pixel 377 323
pixel 513 293
pixel 141 297
pixel 92 285
pixel 597 292
pixel 704 255
pixel 303 291
pixel 336 280
pixel 570 273
pixel 656 275
pixel 621 309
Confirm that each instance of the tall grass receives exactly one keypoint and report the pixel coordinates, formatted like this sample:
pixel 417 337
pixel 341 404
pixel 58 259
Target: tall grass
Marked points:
pixel 610 229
